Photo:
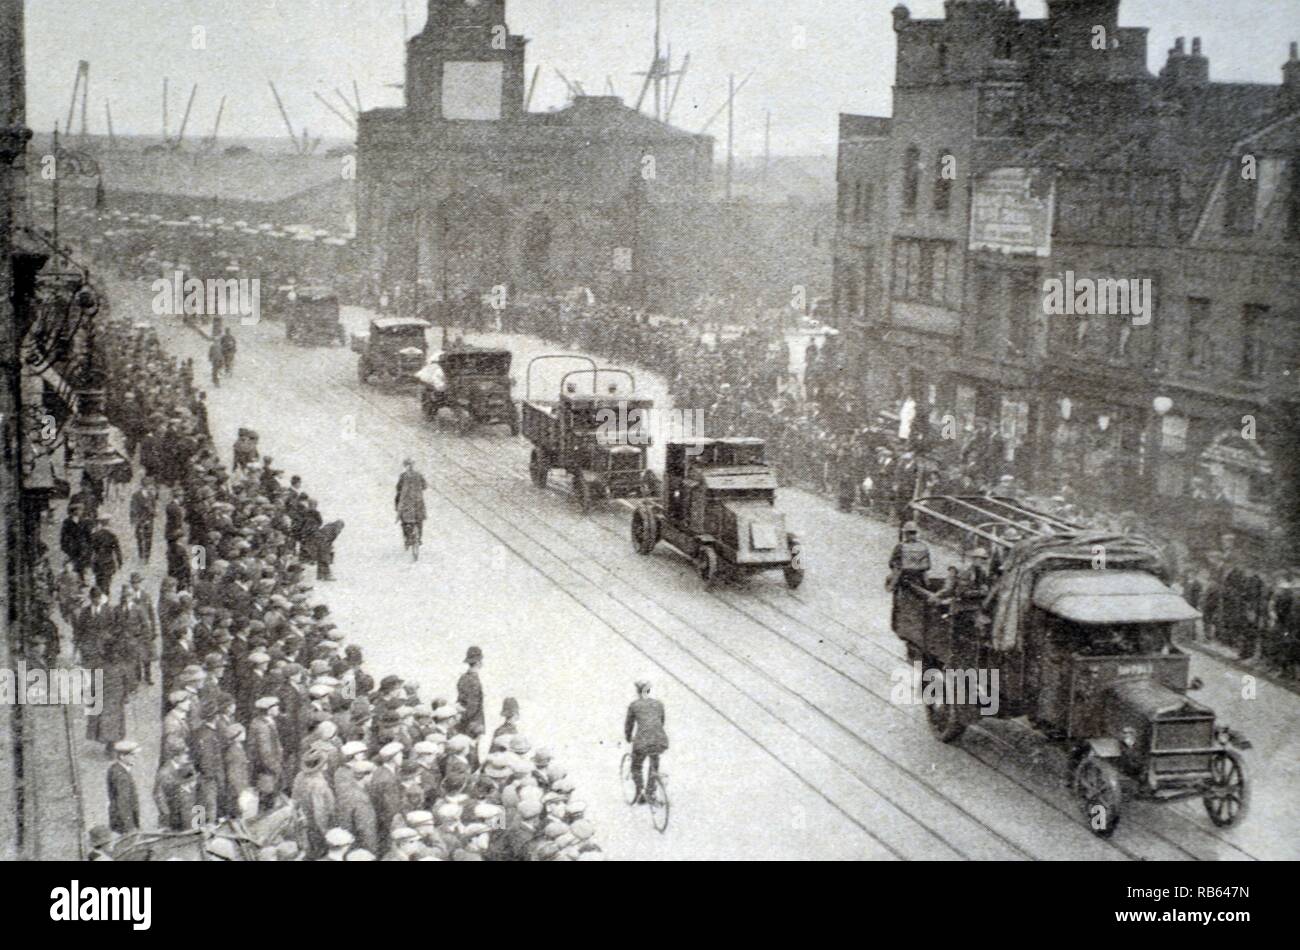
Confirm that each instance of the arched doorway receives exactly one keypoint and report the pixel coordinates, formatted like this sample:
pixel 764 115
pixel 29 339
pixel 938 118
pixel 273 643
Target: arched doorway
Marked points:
pixel 468 237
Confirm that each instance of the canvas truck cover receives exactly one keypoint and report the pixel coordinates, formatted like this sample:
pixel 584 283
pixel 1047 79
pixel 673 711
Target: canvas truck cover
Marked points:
pixel 1031 560
pixel 1103 597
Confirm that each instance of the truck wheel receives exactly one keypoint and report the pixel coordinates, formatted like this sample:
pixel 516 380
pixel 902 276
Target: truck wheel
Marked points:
pixel 1097 787
pixel 706 565
pixel 947 720
pixel 794 570
pixel 538 468
pixel 1227 796
pixel 645 530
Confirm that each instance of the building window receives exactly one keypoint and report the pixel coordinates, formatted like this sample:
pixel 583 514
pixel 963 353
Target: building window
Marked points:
pixel 987 314
pixel 999 114
pixel 921 271
pixel 1239 212
pixel 942 184
pixel 1253 317
pixel 863 207
pixel 911 178
pixel 1198 332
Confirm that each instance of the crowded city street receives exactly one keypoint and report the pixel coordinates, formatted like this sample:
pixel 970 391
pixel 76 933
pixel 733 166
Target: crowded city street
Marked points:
pixel 787 693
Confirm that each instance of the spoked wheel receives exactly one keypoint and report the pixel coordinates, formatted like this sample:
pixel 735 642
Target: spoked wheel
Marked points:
pixel 794 570
pixel 538 468
pixel 706 565
pixel 657 796
pixel 1097 787
pixel 947 720
pixel 645 530
pixel 582 488
pixel 1228 796
pixel 625 778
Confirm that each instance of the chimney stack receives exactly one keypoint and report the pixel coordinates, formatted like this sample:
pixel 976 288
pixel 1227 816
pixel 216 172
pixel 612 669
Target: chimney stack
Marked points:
pixel 1182 69
pixel 1290 92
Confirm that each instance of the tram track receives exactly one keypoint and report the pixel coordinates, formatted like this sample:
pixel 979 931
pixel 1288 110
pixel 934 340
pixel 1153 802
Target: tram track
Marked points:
pixel 756 685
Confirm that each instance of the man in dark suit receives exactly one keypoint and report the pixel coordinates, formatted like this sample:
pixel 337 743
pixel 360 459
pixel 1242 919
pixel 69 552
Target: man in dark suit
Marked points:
pixel 94 628
pixel 644 728
pixel 123 799
pixel 144 507
pixel 105 555
pixel 74 541
pixel 206 749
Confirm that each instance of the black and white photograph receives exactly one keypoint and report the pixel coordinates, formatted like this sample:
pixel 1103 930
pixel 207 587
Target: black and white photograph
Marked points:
pixel 651 431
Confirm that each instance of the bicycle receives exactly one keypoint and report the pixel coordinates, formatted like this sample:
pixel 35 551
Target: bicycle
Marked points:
pixel 656 793
pixel 412 535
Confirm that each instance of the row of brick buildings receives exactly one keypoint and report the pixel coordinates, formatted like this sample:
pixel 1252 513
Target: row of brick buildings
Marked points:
pixel 1026 150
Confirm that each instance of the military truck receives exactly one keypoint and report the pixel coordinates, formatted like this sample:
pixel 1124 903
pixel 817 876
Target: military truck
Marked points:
pixel 719 509
pixel 596 430
pixel 1078 626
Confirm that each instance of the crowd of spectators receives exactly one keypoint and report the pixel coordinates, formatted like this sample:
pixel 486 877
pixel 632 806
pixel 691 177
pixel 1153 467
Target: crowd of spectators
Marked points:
pixel 264 707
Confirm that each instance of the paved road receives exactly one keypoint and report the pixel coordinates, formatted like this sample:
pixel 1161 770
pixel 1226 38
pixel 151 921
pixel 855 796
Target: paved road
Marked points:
pixel 786 743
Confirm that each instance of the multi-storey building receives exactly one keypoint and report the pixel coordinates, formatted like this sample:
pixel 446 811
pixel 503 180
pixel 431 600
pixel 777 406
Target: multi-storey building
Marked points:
pixel 1023 152
pixel 464 189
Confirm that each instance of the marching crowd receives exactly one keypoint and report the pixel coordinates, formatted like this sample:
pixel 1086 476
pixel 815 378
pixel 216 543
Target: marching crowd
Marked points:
pixel 265 708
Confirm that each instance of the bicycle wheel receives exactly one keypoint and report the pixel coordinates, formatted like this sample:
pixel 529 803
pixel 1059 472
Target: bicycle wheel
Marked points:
pixel 625 778
pixel 659 804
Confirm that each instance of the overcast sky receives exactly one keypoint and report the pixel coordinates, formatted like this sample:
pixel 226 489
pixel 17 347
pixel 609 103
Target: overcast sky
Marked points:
pixel 846 64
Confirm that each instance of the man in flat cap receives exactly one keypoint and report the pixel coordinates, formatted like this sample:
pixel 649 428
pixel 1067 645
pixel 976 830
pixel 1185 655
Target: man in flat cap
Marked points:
pixel 386 794
pixel 175 791
pixel 265 755
pixel 208 753
pixel 353 809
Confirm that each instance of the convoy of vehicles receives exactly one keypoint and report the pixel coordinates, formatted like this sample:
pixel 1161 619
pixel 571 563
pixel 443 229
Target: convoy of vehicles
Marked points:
pixel 596 430
pixel 1078 627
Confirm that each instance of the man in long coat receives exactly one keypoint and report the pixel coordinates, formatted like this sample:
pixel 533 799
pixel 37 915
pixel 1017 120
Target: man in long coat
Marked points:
pixel 123 799
pixel 353 809
pixel 410 496
pixel 315 800
pixel 265 756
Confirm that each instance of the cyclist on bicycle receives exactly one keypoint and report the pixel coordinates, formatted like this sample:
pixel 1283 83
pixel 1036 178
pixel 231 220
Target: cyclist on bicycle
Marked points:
pixel 410 501
pixel 644 728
